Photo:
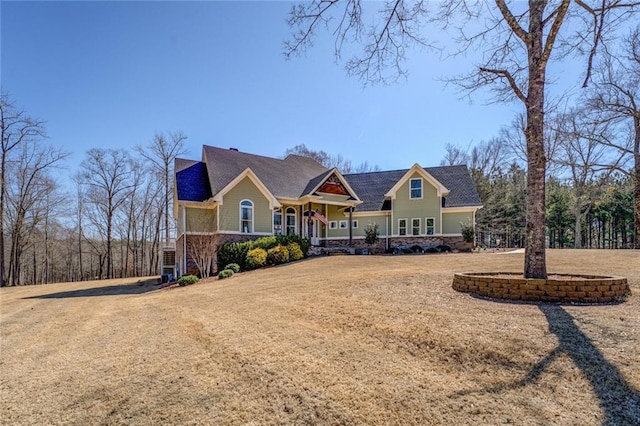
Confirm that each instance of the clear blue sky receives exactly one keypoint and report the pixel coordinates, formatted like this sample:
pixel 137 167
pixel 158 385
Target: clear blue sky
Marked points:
pixel 111 74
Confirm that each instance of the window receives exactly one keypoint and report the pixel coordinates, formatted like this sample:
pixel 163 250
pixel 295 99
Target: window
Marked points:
pixel 343 224
pixel 333 224
pixel 415 226
pixel 402 226
pixel 277 222
pixel 430 226
pixel 246 216
pixel 291 220
pixel 354 224
pixel 416 189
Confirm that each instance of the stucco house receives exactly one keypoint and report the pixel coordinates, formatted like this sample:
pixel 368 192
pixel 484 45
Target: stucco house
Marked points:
pixel 232 196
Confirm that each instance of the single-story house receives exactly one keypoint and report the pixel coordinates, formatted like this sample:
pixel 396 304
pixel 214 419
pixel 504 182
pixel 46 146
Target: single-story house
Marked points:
pixel 233 196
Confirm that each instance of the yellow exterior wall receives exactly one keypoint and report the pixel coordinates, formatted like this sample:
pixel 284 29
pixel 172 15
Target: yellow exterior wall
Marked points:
pixel 406 208
pixel 451 222
pixel 230 209
pixel 200 220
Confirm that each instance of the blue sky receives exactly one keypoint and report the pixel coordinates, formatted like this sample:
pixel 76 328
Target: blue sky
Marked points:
pixel 111 74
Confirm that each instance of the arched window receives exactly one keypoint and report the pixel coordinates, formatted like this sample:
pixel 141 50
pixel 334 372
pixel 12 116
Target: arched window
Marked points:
pixel 277 222
pixel 291 220
pixel 246 216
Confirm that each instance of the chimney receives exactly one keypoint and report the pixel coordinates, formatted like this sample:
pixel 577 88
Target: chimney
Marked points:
pixel 233 149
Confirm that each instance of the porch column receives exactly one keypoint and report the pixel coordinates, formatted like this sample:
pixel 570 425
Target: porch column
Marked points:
pixel 350 226
pixel 309 223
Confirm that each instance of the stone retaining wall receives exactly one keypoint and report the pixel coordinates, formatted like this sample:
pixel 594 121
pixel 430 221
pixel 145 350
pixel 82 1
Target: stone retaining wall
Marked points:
pixel 576 288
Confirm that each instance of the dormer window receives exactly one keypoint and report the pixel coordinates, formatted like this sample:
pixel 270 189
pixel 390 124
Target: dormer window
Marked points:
pixel 415 189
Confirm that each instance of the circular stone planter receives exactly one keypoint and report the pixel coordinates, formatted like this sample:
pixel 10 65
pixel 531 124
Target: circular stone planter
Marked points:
pixel 563 288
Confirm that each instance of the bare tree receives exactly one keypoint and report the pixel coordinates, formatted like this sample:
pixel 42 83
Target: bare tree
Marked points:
pixel 202 249
pixel 17 128
pixel 518 41
pixel 455 155
pixel 330 161
pixel 615 97
pixel 107 176
pixel 161 152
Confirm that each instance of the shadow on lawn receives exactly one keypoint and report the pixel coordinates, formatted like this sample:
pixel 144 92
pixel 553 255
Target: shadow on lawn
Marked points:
pixel 109 290
pixel 619 401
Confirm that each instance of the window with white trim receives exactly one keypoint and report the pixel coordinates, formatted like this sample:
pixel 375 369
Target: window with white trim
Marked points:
pixel 430 226
pixel 277 222
pixel 343 224
pixel 415 189
pixel 415 226
pixel 246 216
pixel 333 224
pixel 354 224
pixel 290 216
pixel 402 226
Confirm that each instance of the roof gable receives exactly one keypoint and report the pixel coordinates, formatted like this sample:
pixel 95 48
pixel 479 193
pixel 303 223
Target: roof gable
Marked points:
pixel 441 190
pixel 248 173
pixel 331 182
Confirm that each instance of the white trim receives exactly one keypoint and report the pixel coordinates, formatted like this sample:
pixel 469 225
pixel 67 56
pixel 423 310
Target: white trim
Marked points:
pixel 251 220
pixel 359 237
pixel 451 235
pixel 411 197
pixel 370 213
pixel 333 224
pixel 440 188
pixel 406 226
pixel 342 180
pixel 244 233
pixel 354 224
pixel 471 209
pixel 295 221
pixel 273 202
pixel 201 233
pixel 419 219
pixel 345 222
pixel 425 226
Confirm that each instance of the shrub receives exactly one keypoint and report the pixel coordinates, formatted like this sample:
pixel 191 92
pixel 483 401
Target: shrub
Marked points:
pixel 303 243
pixel 295 253
pixel 225 273
pixel 256 258
pixel 467 232
pixel 187 280
pixel 233 253
pixel 371 233
pixel 265 242
pixel 277 255
pixel 234 267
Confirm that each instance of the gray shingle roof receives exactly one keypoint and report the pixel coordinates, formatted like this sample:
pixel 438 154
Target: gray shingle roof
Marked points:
pixel 283 177
pixel 296 176
pixel 372 186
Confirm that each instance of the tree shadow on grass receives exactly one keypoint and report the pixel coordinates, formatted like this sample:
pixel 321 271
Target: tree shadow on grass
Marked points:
pixel 109 290
pixel 619 401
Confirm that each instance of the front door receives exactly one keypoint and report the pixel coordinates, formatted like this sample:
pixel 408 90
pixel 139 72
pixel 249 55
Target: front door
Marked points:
pixel 315 233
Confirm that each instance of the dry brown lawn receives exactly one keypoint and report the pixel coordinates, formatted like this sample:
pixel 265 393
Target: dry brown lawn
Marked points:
pixel 335 340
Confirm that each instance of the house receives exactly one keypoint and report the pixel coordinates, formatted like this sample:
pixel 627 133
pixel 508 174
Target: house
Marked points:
pixel 234 196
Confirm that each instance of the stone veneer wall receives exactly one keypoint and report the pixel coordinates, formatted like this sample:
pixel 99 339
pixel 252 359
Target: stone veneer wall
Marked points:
pixel 456 243
pixel 574 289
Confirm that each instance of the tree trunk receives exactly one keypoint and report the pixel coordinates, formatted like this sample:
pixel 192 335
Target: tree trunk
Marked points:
pixel 636 186
pixel 534 259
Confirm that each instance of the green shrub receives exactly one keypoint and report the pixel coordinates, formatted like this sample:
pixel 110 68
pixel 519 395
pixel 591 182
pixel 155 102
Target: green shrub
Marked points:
pixel 278 255
pixel 234 267
pixel 233 253
pixel 468 232
pixel 256 258
pixel 295 253
pixel 225 273
pixel 187 280
pixel 265 242
pixel 303 243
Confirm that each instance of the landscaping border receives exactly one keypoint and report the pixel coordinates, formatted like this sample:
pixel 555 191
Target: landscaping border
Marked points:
pixel 573 289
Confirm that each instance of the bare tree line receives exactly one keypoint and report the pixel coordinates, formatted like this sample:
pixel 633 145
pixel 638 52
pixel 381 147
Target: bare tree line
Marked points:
pixel 113 225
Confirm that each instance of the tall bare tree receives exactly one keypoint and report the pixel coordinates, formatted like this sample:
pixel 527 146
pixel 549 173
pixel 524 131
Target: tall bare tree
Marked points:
pixel 616 98
pixel 107 175
pixel 161 152
pixel 518 41
pixel 330 161
pixel 17 128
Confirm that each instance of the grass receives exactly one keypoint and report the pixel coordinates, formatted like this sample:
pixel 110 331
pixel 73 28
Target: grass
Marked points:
pixel 338 340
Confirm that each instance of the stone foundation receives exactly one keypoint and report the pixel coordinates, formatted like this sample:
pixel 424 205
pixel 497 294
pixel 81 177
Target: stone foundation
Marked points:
pixel 573 289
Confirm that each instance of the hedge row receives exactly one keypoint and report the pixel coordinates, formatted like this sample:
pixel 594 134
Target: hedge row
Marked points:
pixel 239 252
